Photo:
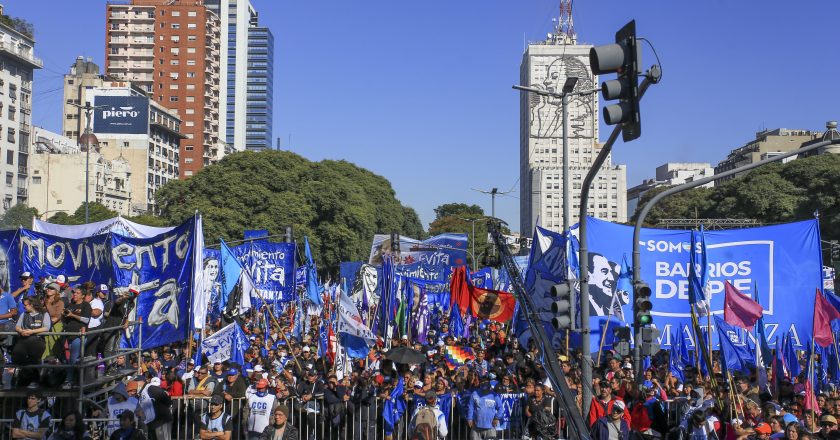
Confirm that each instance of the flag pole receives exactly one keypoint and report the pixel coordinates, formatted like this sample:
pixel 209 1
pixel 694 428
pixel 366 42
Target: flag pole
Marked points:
pixel 277 323
pixel 707 359
pixel 604 335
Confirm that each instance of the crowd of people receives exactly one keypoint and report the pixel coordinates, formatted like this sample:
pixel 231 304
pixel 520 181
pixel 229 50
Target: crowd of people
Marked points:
pixel 287 387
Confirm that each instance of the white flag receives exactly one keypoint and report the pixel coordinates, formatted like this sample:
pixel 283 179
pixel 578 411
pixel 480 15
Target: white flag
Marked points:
pixel 350 320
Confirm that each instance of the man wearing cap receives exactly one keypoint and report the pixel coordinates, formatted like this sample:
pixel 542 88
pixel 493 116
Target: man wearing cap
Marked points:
pixel 258 412
pixel 118 403
pixel 309 390
pixel 26 280
pixel 8 314
pixel 234 388
pixel 828 423
pixel 612 425
pixel 602 404
pixel 215 424
pixel 424 415
pixel 484 411
pixel 280 428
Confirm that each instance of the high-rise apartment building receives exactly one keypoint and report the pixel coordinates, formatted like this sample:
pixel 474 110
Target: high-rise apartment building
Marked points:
pixel 248 61
pixel 17 64
pixel 546 65
pixel 171 48
pixel 767 143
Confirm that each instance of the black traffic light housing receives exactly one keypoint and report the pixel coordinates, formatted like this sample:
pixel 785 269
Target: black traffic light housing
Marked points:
pixel 622 58
pixel 563 306
pixel 642 304
pixel 621 340
pixel 650 341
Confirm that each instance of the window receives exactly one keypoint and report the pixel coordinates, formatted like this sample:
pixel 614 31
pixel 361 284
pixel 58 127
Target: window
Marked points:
pixel 10 157
pixel 9 178
pixel 191 14
pixel 191 38
pixel 188 160
pixel 188 173
pixel 174 50
pixel 175 38
pixel 191 25
pixel 173 99
pixel 174 62
pixel 36 180
pixel 190 74
pixel 191 62
pixel 190 86
pixel 190 98
pixel 188 123
pixel 176 13
pixel 173 75
pixel 188 147
pixel 173 86
pixel 176 26
pixel 190 50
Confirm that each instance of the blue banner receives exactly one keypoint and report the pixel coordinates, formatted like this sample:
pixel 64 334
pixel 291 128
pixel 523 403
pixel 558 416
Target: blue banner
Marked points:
pixel 80 260
pixel 430 260
pixel 10 261
pixel 781 263
pixel 482 278
pixel 271 266
pixel 162 268
pixel 121 114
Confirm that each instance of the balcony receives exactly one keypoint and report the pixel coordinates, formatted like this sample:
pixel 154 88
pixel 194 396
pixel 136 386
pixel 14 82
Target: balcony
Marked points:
pixel 22 171
pixel 24 56
pixel 22 192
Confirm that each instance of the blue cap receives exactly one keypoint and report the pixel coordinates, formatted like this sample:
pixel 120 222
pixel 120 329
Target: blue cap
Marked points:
pixel 232 372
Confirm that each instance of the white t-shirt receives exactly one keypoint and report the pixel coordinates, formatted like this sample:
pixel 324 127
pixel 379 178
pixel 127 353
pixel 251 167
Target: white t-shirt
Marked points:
pixel 96 303
pixel 116 408
pixel 261 408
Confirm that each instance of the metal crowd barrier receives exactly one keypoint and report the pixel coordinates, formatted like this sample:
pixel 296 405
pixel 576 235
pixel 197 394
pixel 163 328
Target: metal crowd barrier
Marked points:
pixel 341 421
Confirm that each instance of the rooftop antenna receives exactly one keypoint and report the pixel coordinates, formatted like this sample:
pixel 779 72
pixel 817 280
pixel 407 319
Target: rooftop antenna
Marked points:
pixel 564 31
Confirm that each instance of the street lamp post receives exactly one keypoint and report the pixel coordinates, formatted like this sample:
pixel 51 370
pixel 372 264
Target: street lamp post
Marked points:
pixel 88 108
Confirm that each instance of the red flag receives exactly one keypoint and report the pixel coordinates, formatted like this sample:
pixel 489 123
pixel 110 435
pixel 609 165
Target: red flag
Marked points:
pixel 459 289
pixel 331 345
pixel 824 313
pixel 810 398
pixel 494 305
pixel 738 309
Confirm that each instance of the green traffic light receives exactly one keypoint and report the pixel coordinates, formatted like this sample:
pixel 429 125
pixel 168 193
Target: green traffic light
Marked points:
pixel 645 319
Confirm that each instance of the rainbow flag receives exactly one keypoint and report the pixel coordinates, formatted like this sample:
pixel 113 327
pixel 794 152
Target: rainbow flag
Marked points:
pixel 457 356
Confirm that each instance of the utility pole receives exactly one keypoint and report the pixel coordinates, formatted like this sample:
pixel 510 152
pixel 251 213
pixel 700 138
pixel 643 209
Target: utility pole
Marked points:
pixel 88 108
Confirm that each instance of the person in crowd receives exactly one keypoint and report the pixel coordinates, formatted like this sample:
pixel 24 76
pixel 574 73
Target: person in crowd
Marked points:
pixel 119 403
pixel 428 419
pixel 280 428
pixel 55 308
pixel 612 426
pixel 483 412
pixel 128 428
pixel 8 317
pixel 32 422
pixel 259 410
pixel 215 424
pixel 71 427
pixel 602 404
pixel 233 391
pixel 76 318
pixel 97 310
pixel 155 407
pixel 30 347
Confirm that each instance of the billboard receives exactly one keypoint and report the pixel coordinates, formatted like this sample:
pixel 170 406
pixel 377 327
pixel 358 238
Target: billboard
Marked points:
pixel 121 115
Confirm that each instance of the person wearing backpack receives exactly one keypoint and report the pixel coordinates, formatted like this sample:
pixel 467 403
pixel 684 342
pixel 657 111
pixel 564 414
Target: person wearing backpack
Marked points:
pixel 31 423
pixel 428 422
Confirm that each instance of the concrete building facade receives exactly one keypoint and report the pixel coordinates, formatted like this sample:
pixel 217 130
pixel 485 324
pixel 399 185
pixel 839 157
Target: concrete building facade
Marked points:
pixel 671 173
pixel 546 65
pixel 58 177
pixel 259 114
pixel 767 143
pixel 171 48
pixel 151 147
pixel 17 65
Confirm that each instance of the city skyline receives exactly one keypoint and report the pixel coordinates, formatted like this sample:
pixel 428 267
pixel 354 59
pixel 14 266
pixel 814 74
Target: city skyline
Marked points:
pixel 414 86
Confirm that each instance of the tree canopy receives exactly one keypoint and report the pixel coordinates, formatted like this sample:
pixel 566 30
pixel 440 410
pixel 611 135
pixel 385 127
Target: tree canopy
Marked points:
pixel 337 204
pixel 771 194
pixel 18 215
pixel 459 218
pixel 462 209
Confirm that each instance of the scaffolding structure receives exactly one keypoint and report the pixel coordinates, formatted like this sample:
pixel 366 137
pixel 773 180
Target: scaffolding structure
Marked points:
pixel 710 224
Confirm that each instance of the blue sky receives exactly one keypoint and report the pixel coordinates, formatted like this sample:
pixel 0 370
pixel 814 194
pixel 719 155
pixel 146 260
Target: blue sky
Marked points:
pixel 420 92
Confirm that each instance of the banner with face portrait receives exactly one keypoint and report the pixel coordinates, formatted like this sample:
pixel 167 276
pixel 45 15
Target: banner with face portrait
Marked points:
pixel 780 266
pixel 10 264
pixel 430 260
pixel 363 283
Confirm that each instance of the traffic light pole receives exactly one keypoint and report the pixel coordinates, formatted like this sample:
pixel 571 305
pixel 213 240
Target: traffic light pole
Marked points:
pixel 583 257
pixel 637 232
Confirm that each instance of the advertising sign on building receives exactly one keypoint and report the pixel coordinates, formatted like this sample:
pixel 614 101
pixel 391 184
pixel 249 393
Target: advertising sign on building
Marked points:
pixel 121 115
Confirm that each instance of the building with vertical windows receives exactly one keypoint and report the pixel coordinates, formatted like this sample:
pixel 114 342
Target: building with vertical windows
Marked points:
pixel 248 61
pixel 546 65
pixel 17 65
pixel 171 49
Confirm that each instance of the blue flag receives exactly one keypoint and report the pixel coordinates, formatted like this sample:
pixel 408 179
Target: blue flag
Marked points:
pixel 456 324
pixel 697 280
pixel 735 357
pixel 394 407
pixel 686 355
pixel 791 360
pixel 231 271
pixel 761 339
pixel 675 364
pixel 311 276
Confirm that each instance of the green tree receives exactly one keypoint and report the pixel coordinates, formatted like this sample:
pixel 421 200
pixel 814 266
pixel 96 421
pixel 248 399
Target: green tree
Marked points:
pixel 96 212
pixel 338 205
pixel 18 215
pixel 462 209
pixel 770 194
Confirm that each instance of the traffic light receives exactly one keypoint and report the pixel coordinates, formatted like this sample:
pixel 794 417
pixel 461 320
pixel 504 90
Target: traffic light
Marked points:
pixel 622 58
pixel 621 340
pixel 643 305
pixel 563 306
pixel 650 341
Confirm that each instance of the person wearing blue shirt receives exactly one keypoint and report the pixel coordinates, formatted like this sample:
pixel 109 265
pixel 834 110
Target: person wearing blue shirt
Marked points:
pixel 8 312
pixel 483 412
